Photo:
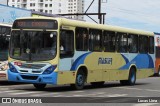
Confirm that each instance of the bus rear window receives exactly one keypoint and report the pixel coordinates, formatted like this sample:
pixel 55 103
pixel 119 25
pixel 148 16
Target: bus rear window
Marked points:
pixel 35 24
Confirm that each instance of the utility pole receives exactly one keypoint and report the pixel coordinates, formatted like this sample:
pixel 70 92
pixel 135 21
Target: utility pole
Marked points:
pixel 7 2
pixel 101 16
pixel 99 12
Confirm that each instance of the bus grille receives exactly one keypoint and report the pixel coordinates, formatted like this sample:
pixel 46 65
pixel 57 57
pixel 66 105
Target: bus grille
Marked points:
pixel 32 66
pixel 29 77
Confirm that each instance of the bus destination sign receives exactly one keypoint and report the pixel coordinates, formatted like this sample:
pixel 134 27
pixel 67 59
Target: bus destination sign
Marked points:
pixel 35 24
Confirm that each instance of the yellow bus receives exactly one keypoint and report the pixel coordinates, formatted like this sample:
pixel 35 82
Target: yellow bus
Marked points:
pixel 5 30
pixel 62 51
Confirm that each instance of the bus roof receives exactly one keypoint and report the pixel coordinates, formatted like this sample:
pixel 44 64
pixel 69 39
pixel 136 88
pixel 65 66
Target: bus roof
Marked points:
pixel 77 23
pixel 156 33
pixel 4 24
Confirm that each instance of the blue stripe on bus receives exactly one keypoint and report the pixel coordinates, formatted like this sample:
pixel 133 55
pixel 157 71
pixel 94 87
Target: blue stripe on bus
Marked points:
pixel 79 60
pixel 141 61
pixel 126 60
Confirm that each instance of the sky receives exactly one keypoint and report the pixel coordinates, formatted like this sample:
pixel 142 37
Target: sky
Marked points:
pixel 137 14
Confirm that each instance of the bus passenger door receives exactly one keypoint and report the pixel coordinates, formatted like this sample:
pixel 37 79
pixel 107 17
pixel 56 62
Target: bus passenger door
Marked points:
pixel 66 49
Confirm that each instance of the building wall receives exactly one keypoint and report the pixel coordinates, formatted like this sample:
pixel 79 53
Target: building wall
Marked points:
pixel 51 6
pixel 4 2
pixel 9 14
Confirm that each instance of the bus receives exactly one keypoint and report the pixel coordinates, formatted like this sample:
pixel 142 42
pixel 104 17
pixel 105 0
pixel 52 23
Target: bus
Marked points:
pixel 5 30
pixel 157 46
pixel 62 51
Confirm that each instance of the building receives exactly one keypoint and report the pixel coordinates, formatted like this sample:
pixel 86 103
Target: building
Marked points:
pixel 51 6
pixel 4 2
pixel 9 14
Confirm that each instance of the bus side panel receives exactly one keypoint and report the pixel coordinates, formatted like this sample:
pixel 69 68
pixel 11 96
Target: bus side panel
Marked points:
pixel 157 51
pixel 157 64
pixel 111 68
pixel 144 73
pixel 144 64
pixel 66 77
pixel 94 67
pixel 157 61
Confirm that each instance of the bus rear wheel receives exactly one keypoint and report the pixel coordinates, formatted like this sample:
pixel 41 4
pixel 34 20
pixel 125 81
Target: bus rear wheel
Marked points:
pixel 131 79
pixel 80 80
pixel 158 74
pixel 39 86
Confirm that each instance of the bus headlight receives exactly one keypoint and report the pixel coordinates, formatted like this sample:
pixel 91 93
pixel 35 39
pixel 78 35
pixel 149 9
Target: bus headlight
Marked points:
pixel 12 68
pixel 50 69
pixel 4 67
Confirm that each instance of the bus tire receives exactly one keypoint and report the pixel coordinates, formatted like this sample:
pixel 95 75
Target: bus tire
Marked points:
pixel 97 84
pixel 80 80
pixel 39 86
pixel 131 79
pixel 158 74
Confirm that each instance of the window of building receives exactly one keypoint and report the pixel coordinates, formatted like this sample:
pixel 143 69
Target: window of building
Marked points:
pixel 50 11
pixel 95 43
pixel 41 10
pixel 81 39
pixel 46 11
pixel 109 41
pixel 66 43
pixel 122 45
pixel 50 5
pixel 133 43
pixel 151 45
pixel 143 44
pixel 46 5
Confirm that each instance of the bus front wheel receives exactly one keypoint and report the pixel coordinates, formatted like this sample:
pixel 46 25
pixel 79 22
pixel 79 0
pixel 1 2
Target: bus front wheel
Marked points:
pixel 80 80
pixel 39 86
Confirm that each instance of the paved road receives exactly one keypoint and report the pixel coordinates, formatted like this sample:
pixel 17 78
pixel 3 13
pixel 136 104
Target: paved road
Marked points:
pixel 149 88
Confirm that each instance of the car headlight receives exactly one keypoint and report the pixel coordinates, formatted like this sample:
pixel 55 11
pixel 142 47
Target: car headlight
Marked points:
pixel 50 69
pixel 12 68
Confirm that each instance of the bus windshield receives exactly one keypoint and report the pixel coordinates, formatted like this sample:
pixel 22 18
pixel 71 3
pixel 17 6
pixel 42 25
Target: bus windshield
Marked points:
pixel 4 42
pixel 33 45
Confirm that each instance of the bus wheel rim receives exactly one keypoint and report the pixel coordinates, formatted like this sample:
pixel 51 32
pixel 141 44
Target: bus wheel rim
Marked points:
pixel 80 80
pixel 132 78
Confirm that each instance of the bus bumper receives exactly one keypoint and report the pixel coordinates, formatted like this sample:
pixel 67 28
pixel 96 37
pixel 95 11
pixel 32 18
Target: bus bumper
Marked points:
pixel 33 78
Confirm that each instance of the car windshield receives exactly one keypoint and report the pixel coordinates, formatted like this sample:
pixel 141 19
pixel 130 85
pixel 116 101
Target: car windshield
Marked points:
pixel 4 42
pixel 33 45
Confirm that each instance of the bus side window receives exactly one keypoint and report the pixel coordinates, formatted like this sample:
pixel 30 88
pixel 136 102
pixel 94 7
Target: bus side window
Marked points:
pixel 66 43
pixel 143 44
pixel 122 45
pixel 81 39
pixel 151 45
pixel 95 40
pixel 109 41
pixel 133 43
